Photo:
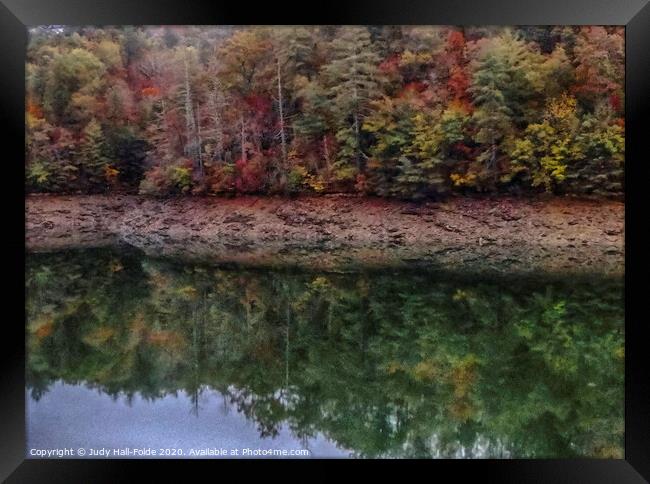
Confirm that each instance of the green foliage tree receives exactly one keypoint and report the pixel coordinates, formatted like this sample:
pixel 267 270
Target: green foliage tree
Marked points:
pixel 492 116
pixel 585 151
pixel 52 166
pixel 73 77
pixel 94 162
pixel 598 166
pixel 392 125
pixel 548 147
pixel 352 82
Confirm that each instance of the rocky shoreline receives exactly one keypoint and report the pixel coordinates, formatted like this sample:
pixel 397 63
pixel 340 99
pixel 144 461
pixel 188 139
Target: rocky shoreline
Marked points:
pixel 339 233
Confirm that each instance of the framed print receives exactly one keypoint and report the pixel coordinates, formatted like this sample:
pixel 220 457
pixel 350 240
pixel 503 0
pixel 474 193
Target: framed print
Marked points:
pixel 374 233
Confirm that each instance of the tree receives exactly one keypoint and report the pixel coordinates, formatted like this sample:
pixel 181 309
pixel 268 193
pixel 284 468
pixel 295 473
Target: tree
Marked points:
pixel 314 127
pixel 455 55
pixel 94 162
pixel 548 147
pixel 598 166
pixel 217 106
pixel 192 147
pixel 492 116
pixel 599 66
pixel 391 125
pixel 578 154
pixel 244 71
pixel 352 81
pixel 77 72
pixel 51 154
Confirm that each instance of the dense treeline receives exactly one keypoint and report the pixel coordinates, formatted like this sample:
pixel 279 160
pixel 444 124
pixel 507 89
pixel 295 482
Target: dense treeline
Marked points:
pixel 399 365
pixel 394 111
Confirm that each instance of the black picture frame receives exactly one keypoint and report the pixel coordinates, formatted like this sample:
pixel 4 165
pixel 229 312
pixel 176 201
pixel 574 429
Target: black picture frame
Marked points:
pixel 17 15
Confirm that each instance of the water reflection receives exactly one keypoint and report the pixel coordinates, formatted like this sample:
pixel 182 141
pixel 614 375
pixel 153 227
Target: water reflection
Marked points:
pixel 210 427
pixel 371 365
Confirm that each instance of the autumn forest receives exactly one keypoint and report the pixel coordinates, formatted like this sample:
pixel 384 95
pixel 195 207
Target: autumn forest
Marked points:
pixel 404 112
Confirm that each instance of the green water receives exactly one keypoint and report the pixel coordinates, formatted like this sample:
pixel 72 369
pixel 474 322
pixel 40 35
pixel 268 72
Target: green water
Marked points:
pixel 371 365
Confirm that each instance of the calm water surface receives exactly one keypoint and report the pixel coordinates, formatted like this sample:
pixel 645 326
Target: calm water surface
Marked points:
pixel 126 351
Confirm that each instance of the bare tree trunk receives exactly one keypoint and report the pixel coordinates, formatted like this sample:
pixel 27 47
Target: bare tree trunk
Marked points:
pixel 199 141
pixel 165 128
pixel 493 154
pixel 243 139
pixel 356 129
pixel 282 136
pixel 326 153
pixel 216 106
pixel 189 115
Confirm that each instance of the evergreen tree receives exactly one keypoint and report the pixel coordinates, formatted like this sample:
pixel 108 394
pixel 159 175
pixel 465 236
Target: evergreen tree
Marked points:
pixel 92 157
pixel 492 116
pixel 599 155
pixel 391 127
pixel 352 81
